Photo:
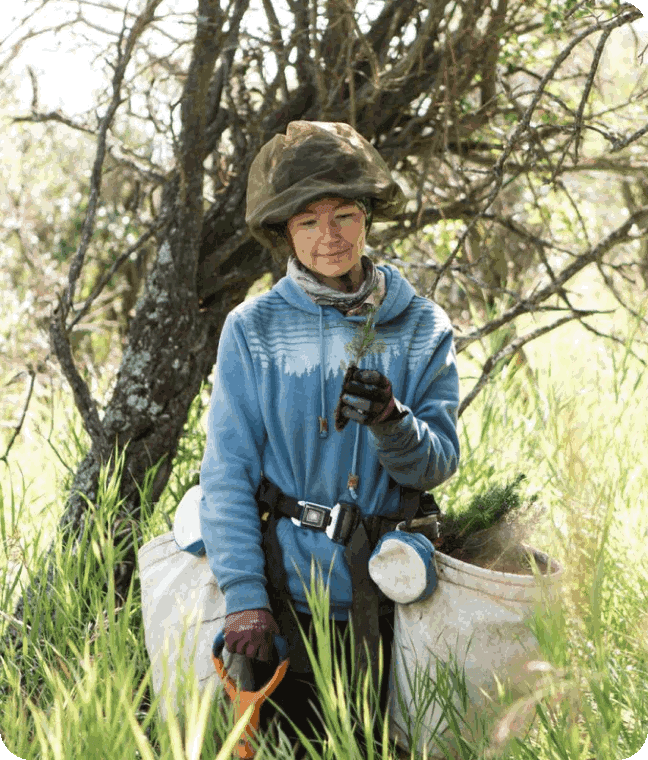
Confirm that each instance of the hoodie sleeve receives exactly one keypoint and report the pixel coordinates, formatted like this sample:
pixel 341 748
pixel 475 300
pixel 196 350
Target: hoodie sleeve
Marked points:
pixel 421 450
pixel 230 474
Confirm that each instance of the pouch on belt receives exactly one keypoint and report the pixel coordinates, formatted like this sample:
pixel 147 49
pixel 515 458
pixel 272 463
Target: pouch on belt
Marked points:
pixel 403 567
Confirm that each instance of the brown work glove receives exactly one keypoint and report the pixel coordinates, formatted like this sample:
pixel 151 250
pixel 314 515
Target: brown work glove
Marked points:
pixel 251 633
pixel 366 397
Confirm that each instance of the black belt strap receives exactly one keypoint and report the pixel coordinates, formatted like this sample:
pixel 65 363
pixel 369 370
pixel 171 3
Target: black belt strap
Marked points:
pixel 365 605
pixel 363 535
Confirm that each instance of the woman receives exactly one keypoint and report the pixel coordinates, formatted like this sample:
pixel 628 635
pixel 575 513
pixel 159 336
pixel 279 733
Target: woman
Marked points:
pixel 282 358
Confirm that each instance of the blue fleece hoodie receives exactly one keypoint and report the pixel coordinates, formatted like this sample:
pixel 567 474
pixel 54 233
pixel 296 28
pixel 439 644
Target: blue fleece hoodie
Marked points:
pixel 280 365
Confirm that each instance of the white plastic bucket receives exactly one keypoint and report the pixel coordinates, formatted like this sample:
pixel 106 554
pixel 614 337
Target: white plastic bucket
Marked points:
pixel 476 618
pixel 182 609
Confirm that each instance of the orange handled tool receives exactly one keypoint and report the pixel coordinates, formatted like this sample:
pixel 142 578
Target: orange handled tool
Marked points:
pixel 243 699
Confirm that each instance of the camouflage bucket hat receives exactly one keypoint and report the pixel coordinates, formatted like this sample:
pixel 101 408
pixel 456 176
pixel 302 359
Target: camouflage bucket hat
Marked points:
pixel 314 160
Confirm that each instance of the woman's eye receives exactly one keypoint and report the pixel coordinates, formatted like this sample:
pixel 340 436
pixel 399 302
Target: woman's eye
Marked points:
pixel 312 223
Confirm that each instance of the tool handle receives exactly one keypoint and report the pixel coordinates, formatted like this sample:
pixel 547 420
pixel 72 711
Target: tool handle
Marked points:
pixel 239 668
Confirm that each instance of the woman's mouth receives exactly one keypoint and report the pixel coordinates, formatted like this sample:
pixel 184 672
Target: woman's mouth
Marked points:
pixel 338 255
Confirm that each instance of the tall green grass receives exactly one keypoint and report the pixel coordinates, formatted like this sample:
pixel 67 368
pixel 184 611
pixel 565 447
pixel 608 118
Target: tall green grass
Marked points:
pixel 575 426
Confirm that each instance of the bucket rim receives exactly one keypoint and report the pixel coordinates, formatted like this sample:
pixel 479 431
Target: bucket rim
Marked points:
pixel 163 538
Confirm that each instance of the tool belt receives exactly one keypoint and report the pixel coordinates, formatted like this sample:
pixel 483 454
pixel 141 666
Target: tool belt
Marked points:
pixel 344 524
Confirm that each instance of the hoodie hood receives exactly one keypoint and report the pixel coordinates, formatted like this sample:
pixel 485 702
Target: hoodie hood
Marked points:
pixel 398 297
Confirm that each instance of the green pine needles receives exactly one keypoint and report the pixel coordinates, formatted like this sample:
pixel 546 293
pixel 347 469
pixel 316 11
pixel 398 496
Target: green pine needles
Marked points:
pixel 492 526
pixel 365 339
pixel 488 508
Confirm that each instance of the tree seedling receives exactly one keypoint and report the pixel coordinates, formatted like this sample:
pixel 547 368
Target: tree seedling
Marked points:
pixel 363 342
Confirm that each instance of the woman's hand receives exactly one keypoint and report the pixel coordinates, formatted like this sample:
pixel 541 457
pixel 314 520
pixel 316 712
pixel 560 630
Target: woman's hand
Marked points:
pixel 251 633
pixel 367 398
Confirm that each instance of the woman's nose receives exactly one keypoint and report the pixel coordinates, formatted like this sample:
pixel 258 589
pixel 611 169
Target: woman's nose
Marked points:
pixel 330 230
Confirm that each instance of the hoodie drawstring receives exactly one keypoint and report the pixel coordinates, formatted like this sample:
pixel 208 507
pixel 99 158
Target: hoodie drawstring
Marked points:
pixel 323 422
pixel 353 481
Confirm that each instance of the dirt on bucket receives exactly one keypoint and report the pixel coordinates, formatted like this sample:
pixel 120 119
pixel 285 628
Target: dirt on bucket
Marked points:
pixel 497 548
pixel 494 552
pixel 490 533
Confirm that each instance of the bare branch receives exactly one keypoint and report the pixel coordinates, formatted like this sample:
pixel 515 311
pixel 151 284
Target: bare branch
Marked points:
pixel 577 211
pixel 509 350
pixel 588 87
pixel 623 143
pixel 510 224
pixel 30 35
pixel 549 269
pixel 315 43
pixel 539 296
pixel 578 126
pixel 393 16
pixel 575 9
pixel 37 118
pixel 374 65
pixel 18 427
pixel 34 84
pixel 152 174
pixel 277 42
pixel 107 276
pixel 617 296
pixel 301 40
pixel 618 341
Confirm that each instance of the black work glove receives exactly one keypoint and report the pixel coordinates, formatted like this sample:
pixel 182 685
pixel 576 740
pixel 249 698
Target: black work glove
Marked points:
pixel 366 397
pixel 251 633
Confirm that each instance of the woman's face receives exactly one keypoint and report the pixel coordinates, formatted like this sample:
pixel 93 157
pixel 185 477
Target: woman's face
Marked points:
pixel 328 236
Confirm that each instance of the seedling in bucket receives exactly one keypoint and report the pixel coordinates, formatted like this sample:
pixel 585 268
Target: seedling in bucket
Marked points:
pixel 490 532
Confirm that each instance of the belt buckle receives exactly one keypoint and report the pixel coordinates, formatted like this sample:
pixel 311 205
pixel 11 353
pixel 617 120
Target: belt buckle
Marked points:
pixel 313 515
pixel 332 527
pixel 319 517
pixel 345 518
pixel 331 520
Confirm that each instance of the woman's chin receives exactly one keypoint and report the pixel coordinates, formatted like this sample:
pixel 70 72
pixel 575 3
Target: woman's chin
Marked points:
pixel 334 266
pixel 343 260
pixel 334 270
